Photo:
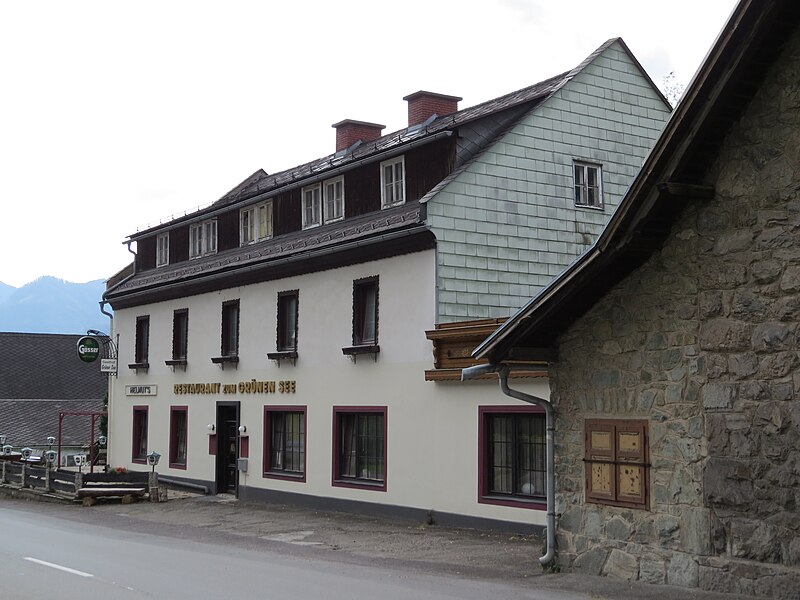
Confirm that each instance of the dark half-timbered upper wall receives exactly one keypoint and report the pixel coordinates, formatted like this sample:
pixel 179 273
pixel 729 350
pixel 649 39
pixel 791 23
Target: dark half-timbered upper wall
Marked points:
pixel 179 244
pixel 428 165
pixel 425 166
pixel 228 230
pixel 286 213
pixel 146 254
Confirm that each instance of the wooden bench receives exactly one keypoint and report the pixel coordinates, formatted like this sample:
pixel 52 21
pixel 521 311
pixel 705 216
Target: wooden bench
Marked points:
pixel 90 495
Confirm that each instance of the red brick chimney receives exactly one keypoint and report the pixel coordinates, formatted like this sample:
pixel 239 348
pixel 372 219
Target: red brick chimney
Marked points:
pixel 348 132
pixel 421 105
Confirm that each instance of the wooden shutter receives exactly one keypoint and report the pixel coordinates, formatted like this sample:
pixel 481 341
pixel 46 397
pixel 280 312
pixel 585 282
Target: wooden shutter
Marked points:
pixel 600 477
pixel 631 442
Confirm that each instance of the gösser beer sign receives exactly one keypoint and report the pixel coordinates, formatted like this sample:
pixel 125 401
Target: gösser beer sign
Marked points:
pixel 88 349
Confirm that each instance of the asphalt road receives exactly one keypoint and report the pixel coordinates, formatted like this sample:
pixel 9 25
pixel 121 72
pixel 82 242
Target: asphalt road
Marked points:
pixel 44 556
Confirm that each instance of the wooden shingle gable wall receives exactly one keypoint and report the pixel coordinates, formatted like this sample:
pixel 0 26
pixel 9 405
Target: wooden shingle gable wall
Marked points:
pixel 507 223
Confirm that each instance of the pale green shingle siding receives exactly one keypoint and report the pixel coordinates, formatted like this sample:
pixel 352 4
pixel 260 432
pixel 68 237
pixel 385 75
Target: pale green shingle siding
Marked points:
pixel 508 222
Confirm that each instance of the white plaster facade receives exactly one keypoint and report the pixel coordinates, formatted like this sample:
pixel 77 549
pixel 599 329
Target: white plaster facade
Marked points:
pixel 432 438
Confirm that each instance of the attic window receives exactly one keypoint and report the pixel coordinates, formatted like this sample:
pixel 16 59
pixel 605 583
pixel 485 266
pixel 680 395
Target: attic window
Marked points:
pixel 255 223
pixel 588 184
pixel 162 249
pixel 203 238
pixel 393 182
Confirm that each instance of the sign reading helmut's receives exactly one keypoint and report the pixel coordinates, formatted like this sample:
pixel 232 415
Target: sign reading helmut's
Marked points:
pixel 243 387
pixel 141 390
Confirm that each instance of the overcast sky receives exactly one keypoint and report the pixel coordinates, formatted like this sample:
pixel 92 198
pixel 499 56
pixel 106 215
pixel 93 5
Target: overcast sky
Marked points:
pixel 118 115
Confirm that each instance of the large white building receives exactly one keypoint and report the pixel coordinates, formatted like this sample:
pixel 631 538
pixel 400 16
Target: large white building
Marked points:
pixel 274 344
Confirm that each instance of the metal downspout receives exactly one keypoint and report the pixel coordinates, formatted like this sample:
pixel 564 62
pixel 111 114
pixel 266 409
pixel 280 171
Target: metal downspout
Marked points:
pixel 502 372
pixel 550 459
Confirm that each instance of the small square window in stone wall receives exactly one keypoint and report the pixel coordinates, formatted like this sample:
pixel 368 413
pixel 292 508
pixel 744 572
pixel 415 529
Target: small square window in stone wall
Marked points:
pixel 616 459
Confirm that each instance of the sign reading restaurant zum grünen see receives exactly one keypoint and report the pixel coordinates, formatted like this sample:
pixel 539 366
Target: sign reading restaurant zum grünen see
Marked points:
pixel 243 387
pixel 88 349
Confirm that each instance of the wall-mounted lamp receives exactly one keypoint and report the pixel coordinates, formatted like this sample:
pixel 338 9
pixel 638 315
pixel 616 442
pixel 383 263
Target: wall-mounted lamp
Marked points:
pixel 242 429
pixel 211 429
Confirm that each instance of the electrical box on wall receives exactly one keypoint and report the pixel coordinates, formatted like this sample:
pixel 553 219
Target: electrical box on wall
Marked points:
pixel 242 464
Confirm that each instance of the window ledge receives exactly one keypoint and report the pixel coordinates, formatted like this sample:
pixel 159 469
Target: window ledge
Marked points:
pixel 354 351
pixel 142 366
pixel 514 501
pixel 290 355
pixel 223 360
pixel 361 484
pixel 176 362
pixel 285 476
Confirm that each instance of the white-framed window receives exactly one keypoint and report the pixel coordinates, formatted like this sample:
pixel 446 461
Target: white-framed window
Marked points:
pixel 393 182
pixel 312 206
pixel 264 223
pixel 588 184
pixel 333 199
pixel 255 223
pixel 203 238
pixel 162 249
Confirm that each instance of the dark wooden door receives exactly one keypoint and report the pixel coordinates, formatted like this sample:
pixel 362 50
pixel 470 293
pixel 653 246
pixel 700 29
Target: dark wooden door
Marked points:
pixel 227 452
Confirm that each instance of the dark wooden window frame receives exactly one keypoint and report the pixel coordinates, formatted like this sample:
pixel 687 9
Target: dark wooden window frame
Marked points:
pixel 139 434
pixel 270 413
pixel 485 495
pixel 228 355
pixel 360 344
pixel 618 459
pixel 173 437
pixel 354 482
pixel 281 344
pixel 180 339
pixel 141 347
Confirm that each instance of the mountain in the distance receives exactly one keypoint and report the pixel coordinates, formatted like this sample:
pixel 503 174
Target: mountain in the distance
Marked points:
pixel 51 305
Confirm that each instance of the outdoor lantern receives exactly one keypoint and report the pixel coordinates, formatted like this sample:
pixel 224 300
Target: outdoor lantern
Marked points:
pixel 78 458
pixel 7 448
pixel 242 429
pixel 211 429
pixel 152 459
pixel 51 440
pixel 50 456
pixel 26 453
pixel 103 440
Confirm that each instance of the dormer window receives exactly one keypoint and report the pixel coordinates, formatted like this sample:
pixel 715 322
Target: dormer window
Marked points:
pixel 255 223
pixel 203 238
pixel 312 206
pixel 393 182
pixel 334 199
pixel 323 203
pixel 162 249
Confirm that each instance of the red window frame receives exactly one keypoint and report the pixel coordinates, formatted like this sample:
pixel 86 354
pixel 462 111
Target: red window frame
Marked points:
pixel 484 494
pixel 138 435
pixel 173 437
pixel 267 471
pixel 336 479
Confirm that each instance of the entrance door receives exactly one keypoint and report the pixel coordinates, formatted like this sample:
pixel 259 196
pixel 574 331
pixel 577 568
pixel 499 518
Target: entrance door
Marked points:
pixel 227 452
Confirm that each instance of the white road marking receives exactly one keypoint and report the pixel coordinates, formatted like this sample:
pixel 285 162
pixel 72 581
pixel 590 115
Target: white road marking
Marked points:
pixel 59 567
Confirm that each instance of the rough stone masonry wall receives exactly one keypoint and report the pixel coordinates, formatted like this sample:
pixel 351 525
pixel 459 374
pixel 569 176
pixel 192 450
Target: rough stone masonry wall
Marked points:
pixel 702 342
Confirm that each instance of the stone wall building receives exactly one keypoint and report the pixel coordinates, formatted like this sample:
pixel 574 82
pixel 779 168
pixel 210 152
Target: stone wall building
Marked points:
pixel 676 383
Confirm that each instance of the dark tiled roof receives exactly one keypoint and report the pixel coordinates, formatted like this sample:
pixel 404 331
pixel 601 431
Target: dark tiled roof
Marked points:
pixel 45 366
pixel 30 422
pixel 334 234
pixel 260 183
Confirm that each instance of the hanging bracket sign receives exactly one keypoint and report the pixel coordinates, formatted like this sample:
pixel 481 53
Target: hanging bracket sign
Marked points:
pixel 88 349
